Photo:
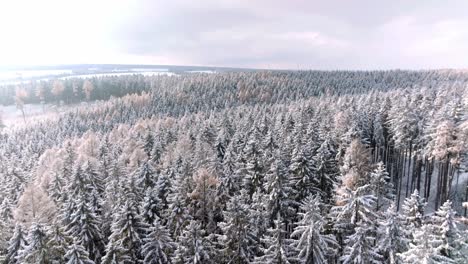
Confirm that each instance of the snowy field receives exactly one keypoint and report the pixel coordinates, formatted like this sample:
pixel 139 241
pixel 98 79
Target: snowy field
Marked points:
pixel 13 117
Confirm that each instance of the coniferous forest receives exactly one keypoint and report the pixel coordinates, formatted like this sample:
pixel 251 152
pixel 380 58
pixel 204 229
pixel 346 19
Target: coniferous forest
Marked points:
pixel 239 167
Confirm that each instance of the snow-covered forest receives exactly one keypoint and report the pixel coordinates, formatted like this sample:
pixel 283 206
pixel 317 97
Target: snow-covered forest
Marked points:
pixel 241 167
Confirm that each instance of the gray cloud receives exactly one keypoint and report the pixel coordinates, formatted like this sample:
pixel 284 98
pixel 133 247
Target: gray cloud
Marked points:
pixel 298 34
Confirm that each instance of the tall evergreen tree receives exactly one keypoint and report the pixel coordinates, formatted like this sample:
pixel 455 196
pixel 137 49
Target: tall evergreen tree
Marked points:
pixel 36 250
pixel 277 247
pixel 360 247
pixel 193 247
pixel 237 240
pixel 77 254
pixel 311 242
pixel 17 244
pixel 158 245
pixel 425 247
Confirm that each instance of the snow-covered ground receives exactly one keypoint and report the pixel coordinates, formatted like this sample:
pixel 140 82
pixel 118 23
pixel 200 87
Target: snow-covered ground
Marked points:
pixel 9 75
pixel 13 117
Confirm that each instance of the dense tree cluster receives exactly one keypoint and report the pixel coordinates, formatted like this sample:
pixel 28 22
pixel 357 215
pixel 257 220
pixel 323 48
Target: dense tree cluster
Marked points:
pixel 259 167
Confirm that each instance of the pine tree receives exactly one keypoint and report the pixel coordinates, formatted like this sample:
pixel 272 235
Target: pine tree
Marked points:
pixel 277 248
pixel 151 207
pixel 360 247
pixel 177 213
pixel 93 178
pixel 84 226
pixel 193 247
pixel 56 189
pixel 6 224
pixel 278 189
pixel 302 172
pixel 128 231
pixel 326 169
pixel 446 228
pixel 36 250
pixel 116 254
pixel 17 243
pixel 77 254
pixel 237 241
pixel 413 211
pixel 258 215
pixel 163 186
pixel 354 207
pixel 58 243
pixel 392 236
pixel 158 245
pixel 254 178
pixel 311 242
pixel 381 187
pixel 425 247
pixel 145 177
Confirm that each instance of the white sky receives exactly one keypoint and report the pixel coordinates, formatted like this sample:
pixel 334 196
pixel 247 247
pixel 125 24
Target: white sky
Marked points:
pixel 312 34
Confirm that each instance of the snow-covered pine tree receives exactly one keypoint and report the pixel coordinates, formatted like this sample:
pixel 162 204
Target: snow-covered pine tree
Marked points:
pixel 277 187
pixel 56 189
pixel 381 186
pixel 254 178
pixel 446 228
pixel 162 188
pixel 158 245
pixel 326 168
pixel 237 242
pixel 145 176
pixel 77 254
pixel 425 248
pixel 151 207
pixel 360 246
pixel 36 250
pixel 6 224
pixel 94 179
pixel 177 212
pixel 277 247
pixel 17 243
pixel 302 172
pixel 58 243
pixel 413 211
pixel 354 207
pixel 193 247
pixel 392 238
pixel 128 231
pixel 310 241
pixel 84 226
pixel 116 254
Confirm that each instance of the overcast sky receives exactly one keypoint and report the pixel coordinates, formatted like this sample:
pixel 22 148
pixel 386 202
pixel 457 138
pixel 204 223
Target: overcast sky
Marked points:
pixel 287 34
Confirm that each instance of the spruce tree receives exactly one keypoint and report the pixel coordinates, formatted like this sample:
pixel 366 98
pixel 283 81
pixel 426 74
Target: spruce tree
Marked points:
pixel 128 231
pixel 276 246
pixel 17 243
pixel 310 241
pixel 84 227
pixel 77 254
pixel 36 250
pixel 425 247
pixel 193 247
pixel 158 245
pixel 238 242
pixel 392 235
pixel 360 247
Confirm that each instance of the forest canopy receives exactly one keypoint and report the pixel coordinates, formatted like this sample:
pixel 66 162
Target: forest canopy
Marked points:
pixel 244 167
